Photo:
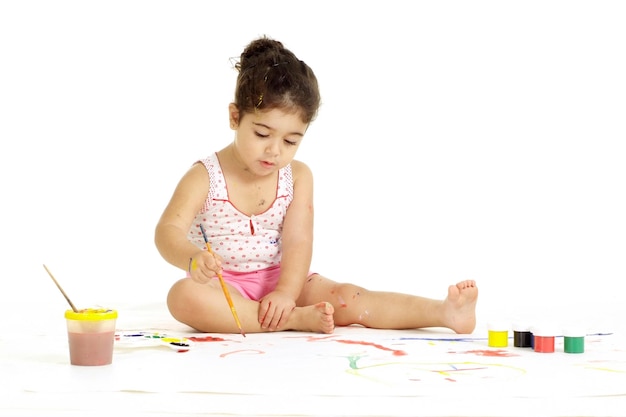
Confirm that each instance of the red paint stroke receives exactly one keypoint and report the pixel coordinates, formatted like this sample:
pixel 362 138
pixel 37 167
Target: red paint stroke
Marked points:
pixel 499 353
pixel 258 352
pixel 450 379
pixel 206 339
pixel 377 346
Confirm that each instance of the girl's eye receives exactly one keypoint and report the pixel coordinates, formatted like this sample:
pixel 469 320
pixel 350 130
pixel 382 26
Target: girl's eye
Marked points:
pixel 261 135
pixel 291 142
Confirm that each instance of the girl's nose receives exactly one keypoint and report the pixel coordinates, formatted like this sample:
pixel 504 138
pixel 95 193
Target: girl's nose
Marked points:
pixel 272 147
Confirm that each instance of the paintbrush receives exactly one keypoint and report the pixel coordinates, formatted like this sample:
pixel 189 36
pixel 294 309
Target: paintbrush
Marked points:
pixel 61 289
pixel 223 284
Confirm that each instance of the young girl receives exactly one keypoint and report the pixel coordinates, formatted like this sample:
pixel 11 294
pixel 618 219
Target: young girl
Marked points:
pixel 255 203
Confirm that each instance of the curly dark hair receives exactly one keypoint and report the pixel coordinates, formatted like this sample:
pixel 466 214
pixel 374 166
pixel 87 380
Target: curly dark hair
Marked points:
pixel 271 76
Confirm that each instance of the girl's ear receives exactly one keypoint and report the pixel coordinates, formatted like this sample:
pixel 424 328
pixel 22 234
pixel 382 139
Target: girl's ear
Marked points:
pixel 233 115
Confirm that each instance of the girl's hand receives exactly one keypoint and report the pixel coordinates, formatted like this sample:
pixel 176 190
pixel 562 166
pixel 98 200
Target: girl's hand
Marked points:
pixel 274 310
pixel 204 266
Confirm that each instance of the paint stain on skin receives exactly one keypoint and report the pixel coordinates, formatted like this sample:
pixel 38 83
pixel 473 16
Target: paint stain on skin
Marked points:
pixel 396 352
pixel 206 339
pixel 342 302
pixel 498 353
pixel 356 295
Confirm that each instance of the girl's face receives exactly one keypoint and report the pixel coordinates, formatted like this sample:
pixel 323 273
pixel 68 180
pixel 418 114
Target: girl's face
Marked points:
pixel 266 141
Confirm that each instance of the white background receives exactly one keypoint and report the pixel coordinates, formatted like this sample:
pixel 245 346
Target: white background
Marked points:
pixel 456 140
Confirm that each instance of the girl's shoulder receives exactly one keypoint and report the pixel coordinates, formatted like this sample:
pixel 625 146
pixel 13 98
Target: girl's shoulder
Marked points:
pixel 302 176
pixel 300 169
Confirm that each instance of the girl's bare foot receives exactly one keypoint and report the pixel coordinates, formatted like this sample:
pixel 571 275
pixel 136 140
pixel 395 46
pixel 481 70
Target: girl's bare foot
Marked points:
pixel 460 307
pixel 316 318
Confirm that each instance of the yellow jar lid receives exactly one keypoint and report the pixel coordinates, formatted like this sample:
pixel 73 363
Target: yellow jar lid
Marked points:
pixel 91 314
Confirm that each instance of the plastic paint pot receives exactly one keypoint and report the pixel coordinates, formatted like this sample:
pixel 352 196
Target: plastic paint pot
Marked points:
pixel 91 336
pixel 574 341
pixel 498 335
pixel 543 340
pixel 522 336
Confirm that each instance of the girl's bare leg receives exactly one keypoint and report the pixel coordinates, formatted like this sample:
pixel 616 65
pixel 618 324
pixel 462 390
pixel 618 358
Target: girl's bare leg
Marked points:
pixel 204 307
pixel 390 310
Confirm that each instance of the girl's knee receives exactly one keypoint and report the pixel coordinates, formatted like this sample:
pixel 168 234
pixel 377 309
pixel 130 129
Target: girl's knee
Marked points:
pixel 177 296
pixel 351 289
pixel 347 294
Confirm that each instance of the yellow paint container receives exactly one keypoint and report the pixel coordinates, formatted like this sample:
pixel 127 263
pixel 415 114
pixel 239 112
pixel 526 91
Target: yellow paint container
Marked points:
pixel 498 335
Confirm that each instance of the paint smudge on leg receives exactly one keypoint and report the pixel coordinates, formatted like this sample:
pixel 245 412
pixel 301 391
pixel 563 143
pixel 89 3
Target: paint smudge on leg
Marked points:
pixel 364 315
pixel 342 302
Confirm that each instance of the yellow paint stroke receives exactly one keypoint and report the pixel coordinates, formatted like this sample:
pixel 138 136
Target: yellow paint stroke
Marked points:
pixel 605 368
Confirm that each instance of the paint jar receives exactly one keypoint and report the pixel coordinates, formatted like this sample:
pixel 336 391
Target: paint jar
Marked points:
pixel 91 335
pixel 543 340
pixel 498 333
pixel 522 336
pixel 574 341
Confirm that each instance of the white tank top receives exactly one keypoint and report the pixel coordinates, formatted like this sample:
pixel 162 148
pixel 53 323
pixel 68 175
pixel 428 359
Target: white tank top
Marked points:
pixel 245 243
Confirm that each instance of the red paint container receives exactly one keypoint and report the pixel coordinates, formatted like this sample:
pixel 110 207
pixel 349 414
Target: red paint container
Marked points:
pixel 543 340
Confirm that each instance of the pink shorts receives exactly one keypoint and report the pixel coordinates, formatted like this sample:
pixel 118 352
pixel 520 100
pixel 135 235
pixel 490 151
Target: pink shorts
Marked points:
pixel 256 284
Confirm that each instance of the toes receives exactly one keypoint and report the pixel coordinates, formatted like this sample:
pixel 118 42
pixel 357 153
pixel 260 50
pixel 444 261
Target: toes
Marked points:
pixel 329 308
pixel 466 284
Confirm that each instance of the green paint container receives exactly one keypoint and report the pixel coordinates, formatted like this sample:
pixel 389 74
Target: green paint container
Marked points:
pixel 574 341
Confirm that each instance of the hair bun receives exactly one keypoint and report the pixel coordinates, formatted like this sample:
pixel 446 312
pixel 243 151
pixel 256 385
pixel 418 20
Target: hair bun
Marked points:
pixel 260 47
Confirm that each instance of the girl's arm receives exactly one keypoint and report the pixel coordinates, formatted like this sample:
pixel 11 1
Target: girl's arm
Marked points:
pixel 172 228
pixel 297 250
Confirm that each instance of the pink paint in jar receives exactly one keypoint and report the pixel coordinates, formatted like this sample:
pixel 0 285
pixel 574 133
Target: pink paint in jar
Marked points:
pixel 91 336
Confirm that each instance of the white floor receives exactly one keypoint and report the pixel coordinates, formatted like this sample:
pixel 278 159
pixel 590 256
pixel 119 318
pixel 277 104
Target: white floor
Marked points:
pixel 354 372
